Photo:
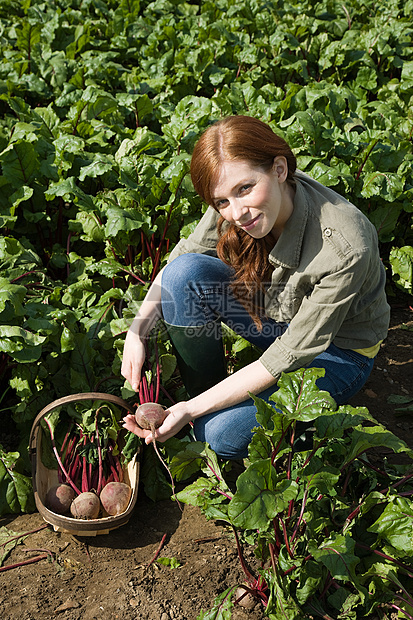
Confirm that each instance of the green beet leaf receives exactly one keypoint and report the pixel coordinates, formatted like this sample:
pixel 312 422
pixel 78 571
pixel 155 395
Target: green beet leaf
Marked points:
pixel 222 608
pixel 260 496
pixel 20 163
pixel 281 605
pixel 395 525
pixel 299 397
pixel 401 260
pixel 374 436
pixel 337 555
pixel 16 491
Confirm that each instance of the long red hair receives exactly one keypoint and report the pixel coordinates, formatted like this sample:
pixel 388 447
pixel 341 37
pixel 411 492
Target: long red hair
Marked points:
pixel 240 138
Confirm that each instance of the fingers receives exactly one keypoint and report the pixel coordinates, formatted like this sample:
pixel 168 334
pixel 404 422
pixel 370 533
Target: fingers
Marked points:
pixel 131 369
pixel 132 378
pixel 134 381
pixel 174 421
pixel 129 423
pixel 133 360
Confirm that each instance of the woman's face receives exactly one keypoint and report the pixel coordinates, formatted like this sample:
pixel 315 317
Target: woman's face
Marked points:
pixel 256 201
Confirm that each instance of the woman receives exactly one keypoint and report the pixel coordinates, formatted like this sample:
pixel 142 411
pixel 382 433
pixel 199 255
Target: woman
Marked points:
pixel 285 262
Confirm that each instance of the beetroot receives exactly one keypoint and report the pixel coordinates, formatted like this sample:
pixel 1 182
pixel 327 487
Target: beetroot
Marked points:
pixel 150 416
pixel 115 498
pixel 85 506
pixel 244 598
pixel 59 498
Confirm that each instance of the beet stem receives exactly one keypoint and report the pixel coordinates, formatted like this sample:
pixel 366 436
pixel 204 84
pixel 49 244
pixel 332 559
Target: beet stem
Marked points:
pixel 31 561
pixel 59 460
pixel 74 470
pixel 112 465
pixel 100 466
pixel 157 551
pixel 141 395
pixel 65 446
pixel 38 529
pixel 153 428
pixel 84 469
pixel 145 389
pixel 158 372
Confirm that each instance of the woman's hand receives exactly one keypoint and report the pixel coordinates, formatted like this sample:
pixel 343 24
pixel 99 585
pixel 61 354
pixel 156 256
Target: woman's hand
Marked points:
pixel 177 417
pixel 134 348
pixel 133 359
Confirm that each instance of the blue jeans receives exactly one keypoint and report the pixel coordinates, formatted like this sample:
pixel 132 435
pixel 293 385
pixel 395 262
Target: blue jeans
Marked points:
pixel 195 291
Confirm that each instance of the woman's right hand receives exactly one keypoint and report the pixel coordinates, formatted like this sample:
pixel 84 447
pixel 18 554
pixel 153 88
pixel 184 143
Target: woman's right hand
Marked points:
pixel 134 350
pixel 133 359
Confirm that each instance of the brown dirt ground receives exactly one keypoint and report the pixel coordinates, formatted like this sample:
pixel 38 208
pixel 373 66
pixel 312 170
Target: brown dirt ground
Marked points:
pixel 106 577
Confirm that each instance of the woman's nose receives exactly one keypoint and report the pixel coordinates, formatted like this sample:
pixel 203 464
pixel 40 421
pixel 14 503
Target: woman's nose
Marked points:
pixel 238 209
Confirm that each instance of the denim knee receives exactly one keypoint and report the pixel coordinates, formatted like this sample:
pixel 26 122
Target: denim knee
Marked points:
pixel 194 267
pixel 219 439
pixel 187 283
pixel 175 274
pixel 175 278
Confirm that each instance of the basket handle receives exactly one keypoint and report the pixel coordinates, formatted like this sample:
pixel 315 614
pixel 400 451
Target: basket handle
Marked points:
pixel 70 399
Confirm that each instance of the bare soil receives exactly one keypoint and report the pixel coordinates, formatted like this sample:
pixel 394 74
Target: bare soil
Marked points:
pixel 108 576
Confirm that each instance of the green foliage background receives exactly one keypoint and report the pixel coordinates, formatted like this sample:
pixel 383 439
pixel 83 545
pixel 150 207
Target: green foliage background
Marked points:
pixel 101 102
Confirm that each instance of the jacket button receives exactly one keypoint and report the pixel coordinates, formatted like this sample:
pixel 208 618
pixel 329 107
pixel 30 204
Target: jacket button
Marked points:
pixel 328 232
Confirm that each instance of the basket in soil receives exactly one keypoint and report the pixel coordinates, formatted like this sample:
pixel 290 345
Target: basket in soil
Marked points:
pixel 83 432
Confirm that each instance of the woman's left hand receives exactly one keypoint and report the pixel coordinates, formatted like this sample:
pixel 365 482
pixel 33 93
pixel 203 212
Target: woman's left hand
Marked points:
pixel 177 417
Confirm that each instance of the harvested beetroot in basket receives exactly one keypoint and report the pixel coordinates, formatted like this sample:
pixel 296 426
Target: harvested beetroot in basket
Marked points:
pixel 59 498
pixel 90 451
pixel 114 498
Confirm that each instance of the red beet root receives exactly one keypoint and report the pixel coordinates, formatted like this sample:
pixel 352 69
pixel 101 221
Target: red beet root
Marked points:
pixel 115 497
pixel 244 598
pixel 150 416
pixel 59 498
pixel 85 506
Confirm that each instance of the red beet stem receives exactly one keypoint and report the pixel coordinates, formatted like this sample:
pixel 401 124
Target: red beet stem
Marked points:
pixel 153 429
pixel 100 467
pixel 59 460
pixel 25 562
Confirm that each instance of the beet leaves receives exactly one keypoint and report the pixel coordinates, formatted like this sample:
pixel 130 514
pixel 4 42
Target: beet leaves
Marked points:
pixel 326 506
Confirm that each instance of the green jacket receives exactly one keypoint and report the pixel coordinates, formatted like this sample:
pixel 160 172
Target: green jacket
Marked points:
pixel 328 280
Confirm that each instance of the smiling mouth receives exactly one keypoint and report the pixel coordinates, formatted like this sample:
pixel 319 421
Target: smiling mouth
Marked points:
pixel 251 223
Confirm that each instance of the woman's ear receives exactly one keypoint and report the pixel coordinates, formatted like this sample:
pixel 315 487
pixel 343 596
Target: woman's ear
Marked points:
pixel 280 168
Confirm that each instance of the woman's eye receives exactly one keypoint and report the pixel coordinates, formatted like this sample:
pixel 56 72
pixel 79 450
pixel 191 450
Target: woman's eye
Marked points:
pixel 245 188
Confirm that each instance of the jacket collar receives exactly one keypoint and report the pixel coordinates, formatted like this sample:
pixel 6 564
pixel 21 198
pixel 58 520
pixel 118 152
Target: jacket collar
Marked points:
pixel 287 250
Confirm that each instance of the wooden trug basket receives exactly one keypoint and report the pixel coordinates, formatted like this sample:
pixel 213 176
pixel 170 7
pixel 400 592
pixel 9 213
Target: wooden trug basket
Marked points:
pixel 44 478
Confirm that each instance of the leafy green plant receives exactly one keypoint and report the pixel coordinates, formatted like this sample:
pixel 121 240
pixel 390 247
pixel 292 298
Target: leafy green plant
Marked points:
pixel 16 494
pixel 171 562
pixel 329 516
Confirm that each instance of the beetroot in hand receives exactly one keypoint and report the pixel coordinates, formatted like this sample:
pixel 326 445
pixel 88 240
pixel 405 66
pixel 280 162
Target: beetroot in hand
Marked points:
pixel 150 416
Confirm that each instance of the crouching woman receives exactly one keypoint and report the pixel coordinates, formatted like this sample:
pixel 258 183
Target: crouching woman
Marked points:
pixel 287 263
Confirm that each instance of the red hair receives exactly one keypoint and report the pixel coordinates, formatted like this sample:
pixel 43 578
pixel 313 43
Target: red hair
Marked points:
pixel 240 138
